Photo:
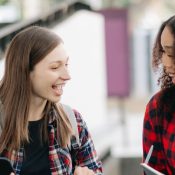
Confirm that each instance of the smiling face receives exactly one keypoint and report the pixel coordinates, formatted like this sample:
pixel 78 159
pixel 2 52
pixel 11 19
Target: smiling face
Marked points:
pixel 50 75
pixel 167 42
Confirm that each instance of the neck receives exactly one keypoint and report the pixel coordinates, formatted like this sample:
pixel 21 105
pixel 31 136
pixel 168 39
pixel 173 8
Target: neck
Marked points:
pixel 36 109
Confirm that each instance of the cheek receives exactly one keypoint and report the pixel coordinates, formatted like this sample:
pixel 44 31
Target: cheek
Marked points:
pixel 40 86
pixel 43 79
pixel 38 81
pixel 167 61
pixel 49 77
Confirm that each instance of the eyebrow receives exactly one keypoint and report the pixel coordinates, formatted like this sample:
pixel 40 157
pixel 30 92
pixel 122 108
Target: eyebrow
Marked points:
pixel 59 61
pixel 168 47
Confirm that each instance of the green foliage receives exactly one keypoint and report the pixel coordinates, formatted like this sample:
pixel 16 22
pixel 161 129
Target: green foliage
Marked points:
pixel 2 2
pixel 116 3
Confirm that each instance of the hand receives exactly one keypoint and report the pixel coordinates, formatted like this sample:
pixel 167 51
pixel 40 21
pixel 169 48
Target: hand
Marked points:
pixel 83 171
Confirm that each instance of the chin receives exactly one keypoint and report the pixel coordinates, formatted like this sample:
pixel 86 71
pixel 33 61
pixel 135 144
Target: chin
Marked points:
pixel 55 100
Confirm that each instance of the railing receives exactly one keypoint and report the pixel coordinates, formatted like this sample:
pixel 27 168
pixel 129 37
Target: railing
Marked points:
pixel 55 16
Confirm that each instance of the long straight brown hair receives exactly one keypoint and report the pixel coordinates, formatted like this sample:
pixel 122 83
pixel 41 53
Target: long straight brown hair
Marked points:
pixel 26 49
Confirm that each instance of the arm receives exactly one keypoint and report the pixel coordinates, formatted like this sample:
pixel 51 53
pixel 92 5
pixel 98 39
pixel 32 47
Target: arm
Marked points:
pixel 86 155
pixel 151 136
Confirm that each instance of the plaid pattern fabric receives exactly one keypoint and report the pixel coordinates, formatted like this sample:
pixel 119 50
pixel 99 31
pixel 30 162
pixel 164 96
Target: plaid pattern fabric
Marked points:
pixel 159 130
pixel 60 158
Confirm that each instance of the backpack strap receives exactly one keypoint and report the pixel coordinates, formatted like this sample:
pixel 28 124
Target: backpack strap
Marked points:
pixel 1 116
pixel 71 115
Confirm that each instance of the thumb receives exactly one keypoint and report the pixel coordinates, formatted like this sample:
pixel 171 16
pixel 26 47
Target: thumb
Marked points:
pixel 77 170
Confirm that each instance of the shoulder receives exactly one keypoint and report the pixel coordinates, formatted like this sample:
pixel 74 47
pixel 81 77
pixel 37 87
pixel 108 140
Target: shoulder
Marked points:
pixel 160 106
pixel 80 120
pixel 81 124
pixel 73 113
pixel 78 116
pixel 163 97
pixel 81 128
pixel 69 110
pixel 153 106
pixel 154 100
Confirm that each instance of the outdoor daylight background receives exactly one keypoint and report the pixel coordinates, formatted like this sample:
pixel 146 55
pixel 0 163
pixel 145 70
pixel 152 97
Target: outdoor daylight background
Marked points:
pixel 109 44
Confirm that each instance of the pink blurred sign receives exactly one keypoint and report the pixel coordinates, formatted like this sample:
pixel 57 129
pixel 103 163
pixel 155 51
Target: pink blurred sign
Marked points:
pixel 117 52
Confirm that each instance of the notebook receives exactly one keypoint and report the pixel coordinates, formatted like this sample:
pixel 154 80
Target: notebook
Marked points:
pixel 148 169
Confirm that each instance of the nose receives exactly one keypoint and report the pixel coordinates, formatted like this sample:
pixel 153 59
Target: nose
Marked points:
pixel 65 75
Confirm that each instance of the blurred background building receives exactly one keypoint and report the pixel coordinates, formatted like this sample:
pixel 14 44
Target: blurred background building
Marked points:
pixel 110 43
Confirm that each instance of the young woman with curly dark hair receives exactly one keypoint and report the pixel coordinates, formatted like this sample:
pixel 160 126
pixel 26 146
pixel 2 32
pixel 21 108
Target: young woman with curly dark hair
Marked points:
pixel 159 120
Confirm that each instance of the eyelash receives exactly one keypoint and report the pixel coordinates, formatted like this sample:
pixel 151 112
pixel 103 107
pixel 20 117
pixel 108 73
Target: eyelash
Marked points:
pixel 56 67
pixel 163 51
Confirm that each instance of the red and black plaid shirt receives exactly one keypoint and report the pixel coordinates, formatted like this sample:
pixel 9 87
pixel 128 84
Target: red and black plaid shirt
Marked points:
pixel 60 158
pixel 159 130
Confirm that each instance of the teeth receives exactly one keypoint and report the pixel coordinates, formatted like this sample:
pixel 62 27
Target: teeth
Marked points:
pixel 58 86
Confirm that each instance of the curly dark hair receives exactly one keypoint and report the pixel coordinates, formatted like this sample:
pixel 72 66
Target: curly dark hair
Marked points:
pixel 164 80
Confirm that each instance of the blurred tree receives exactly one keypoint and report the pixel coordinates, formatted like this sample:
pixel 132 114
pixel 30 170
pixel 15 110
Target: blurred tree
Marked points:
pixel 170 5
pixel 116 3
pixel 2 2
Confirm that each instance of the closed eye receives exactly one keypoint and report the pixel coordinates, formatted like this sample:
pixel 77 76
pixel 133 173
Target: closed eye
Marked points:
pixel 164 52
pixel 170 56
pixel 54 68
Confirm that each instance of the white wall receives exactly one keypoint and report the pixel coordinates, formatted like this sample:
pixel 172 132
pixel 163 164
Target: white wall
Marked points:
pixel 83 36
pixel 84 39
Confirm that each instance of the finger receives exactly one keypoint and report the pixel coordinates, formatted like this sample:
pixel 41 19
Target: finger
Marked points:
pixel 90 172
pixel 83 171
pixel 80 170
pixel 77 170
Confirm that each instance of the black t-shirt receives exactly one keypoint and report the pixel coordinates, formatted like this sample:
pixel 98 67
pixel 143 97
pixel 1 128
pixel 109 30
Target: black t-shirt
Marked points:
pixel 36 161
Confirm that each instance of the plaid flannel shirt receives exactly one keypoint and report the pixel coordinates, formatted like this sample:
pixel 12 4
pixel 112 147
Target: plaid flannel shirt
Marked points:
pixel 160 133
pixel 60 158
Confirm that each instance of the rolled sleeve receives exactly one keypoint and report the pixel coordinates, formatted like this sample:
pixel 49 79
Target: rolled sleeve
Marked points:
pixel 86 155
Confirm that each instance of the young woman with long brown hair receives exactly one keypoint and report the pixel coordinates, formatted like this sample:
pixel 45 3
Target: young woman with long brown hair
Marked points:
pixel 35 132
